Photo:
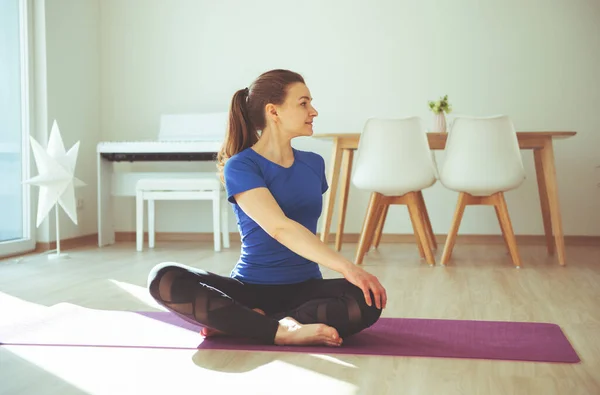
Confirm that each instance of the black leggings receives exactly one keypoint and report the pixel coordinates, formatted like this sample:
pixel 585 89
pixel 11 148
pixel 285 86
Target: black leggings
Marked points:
pixel 225 304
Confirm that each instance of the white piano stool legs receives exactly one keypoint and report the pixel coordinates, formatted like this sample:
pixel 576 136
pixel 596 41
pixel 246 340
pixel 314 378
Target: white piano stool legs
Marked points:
pixel 225 222
pixel 220 221
pixel 139 220
pixel 217 220
pixel 151 222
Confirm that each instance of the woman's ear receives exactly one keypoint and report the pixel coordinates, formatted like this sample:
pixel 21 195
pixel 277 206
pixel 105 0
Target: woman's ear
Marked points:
pixel 271 112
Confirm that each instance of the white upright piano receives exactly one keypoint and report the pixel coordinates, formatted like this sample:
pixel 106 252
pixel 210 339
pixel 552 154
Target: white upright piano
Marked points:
pixel 182 137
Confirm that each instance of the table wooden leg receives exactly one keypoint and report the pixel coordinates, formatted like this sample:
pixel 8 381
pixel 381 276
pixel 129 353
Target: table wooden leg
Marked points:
pixel 549 170
pixel 346 168
pixel 545 205
pixel 336 161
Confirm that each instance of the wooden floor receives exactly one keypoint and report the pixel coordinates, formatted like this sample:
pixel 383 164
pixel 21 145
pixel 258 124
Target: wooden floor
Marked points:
pixel 480 284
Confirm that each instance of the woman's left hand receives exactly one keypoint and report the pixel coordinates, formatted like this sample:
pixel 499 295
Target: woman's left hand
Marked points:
pixel 367 283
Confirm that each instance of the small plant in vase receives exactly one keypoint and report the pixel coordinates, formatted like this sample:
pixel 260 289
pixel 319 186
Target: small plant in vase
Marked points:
pixel 439 109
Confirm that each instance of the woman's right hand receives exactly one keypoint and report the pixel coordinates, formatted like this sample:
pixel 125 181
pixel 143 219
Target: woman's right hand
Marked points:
pixel 367 283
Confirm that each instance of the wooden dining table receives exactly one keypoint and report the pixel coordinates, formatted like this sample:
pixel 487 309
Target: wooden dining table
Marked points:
pixel 344 145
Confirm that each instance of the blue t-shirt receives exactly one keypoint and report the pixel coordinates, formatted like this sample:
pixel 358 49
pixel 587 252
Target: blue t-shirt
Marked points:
pixel 299 192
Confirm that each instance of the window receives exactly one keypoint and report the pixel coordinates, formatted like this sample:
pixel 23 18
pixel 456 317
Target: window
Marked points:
pixel 16 230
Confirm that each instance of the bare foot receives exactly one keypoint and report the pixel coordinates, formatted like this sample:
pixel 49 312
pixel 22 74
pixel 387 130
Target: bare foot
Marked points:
pixel 207 332
pixel 291 332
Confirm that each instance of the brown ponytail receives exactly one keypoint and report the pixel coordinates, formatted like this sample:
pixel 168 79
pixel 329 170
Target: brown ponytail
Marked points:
pixel 247 112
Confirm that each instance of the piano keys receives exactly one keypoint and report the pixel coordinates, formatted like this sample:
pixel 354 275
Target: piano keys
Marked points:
pixel 144 151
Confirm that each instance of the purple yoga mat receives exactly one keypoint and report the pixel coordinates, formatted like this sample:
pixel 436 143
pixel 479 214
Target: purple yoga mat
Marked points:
pixel 70 325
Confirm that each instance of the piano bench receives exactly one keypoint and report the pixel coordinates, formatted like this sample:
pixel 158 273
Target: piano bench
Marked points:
pixel 197 188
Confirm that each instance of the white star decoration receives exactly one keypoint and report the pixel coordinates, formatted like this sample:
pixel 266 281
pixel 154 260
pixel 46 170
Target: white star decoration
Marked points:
pixel 56 176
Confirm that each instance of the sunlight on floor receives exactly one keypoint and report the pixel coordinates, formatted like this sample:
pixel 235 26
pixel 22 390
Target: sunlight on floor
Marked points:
pixel 141 293
pixel 105 371
pixel 122 370
pixel 279 373
pixel 329 358
pixel 16 308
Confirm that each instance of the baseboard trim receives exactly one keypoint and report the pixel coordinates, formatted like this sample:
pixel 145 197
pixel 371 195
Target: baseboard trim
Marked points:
pixel 67 244
pixel 92 239
pixel 476 239
pixel 385 238
pixel 174 236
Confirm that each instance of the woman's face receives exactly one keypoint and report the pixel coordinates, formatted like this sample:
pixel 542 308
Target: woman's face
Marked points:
pixel 295 116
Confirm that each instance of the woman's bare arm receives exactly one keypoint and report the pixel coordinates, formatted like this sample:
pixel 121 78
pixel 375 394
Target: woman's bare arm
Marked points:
pixel 260 205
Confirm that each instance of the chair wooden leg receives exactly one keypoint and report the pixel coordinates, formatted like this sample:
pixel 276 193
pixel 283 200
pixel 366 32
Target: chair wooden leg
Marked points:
pixel 378 214
pixel 451 239
pixel 419 241
pixel 429 229
pixel 420 227
pixel 379 230
pixel 369 224
pixel 502 228
pixel 506 224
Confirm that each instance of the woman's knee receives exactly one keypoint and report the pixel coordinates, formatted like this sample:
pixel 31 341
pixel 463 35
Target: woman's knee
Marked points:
pixel 157 273
pixel 369 314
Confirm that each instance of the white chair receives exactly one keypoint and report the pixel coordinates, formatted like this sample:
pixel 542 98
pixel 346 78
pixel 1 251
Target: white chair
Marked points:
pixel 483 160
pixel 152 189
pixel 394 163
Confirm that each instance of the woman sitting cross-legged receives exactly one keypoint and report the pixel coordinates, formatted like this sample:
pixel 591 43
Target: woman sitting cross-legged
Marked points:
pixel 276 293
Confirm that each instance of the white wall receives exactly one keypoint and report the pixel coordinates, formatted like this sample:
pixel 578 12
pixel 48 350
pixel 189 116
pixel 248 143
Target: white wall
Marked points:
pixel 73 99
pixel 536 61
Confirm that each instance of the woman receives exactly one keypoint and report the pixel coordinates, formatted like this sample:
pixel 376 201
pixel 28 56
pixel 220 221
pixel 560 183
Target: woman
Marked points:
pixel 276 293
